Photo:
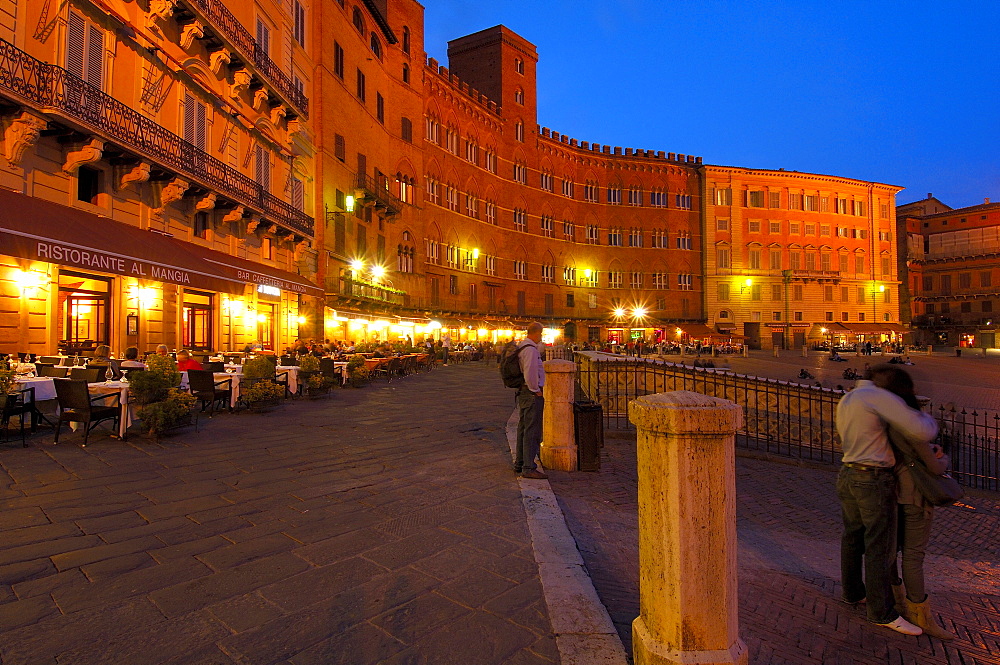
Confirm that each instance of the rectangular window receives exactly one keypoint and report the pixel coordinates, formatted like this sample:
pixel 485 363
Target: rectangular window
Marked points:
pixel 796 260
pixel 722 258
pixel 338 60
pixel 380 107
pixel 635 197
pixel 545 181
pixel 521 173
pixel 721 224
pixel 267 248
pixel 861 294
pixel 453 284
pixel 263 167
pixel 548 274
pixel 634 238
pixel 491 213
pixel 797 292
pixel 569 276
pixel 755 199
pixel 776 292
pixel 682 201
pixel 406 130
pixel 85 50
pixel 635 280
pixel 754 259
pixel 520 220
pixel 986 278
pixel 615 238
pixel 793 228
pixel 590 192
pixel 298 193
pixel 361 91
pixel 928 282
pixel 723 292
pixel 570 300
pixel 546 226
pixel 658 199
pixel 661 281
pixel 615 279
pixel 88 184
pixel 825 262
pixel 794 201
pixel 195 123
pixel 264 38
pixel 775 259
pixel 299 29
pixel 685 282
pixel 520 270
pixel 723 197
pixel 775 316
pixel 567 188
pixel 774 227
pixel 593 235
pixel 827 294
pixel 756 292
pixel 774 199
pixel 883 211
pixel 569 231
pixel 811 203
pixel 824 204
pixel 754 226
pixel 860 209
pixel 845 294
pixel 965 280
pixel 614 195
pixel 885 267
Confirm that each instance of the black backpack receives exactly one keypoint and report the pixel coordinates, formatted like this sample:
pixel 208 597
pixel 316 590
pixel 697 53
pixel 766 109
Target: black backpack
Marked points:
pixel 510 366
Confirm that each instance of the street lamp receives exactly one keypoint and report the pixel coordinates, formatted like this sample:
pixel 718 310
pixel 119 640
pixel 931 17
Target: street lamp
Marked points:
pixel 786 277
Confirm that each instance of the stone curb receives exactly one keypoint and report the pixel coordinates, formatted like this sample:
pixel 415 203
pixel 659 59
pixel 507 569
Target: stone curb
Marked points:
pixel 584 632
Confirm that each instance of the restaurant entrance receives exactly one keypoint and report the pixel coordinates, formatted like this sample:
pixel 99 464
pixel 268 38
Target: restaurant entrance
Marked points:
pixel 85 311
pixel 196 321
pixel 265 325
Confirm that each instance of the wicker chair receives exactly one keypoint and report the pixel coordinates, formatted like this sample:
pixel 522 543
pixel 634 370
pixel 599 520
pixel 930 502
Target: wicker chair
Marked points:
pixel 203 385
pixel 77 405
pixel 20 403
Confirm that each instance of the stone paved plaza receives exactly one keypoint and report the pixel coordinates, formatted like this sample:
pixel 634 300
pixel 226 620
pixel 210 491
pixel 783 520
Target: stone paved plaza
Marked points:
pixel 384 525
pixel 380 525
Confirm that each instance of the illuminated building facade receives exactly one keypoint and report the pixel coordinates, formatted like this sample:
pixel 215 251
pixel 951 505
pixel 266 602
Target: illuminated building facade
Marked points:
pixel 953 259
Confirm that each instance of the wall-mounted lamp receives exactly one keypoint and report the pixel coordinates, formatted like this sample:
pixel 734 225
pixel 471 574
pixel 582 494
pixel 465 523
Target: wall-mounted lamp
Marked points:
pixel 29 282
pixel 349 203
pixel 746 284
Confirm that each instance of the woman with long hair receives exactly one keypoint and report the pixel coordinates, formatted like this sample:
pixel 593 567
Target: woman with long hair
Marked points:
pixel 915 513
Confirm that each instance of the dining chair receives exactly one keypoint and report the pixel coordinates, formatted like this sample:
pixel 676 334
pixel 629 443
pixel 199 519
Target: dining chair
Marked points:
pixel 53 371
pixel 76 404
pixel 20 403
pixel 88 374
pixel 202 384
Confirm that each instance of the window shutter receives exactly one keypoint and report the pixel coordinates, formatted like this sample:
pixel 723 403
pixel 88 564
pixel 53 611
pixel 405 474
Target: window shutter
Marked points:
pixel 95 56
pixel 263 38
pixel 297 194
pixel 199 124
pixel 75 36
pixel 189 118
pixel 263 168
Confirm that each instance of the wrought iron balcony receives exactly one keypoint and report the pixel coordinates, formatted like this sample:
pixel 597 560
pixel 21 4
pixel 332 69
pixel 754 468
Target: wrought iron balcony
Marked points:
pixel 54 90
pixel 241 39
pixel 369 191
pixel 359 289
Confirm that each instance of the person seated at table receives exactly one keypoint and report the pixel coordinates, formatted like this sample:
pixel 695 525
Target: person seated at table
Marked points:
pixel 162 350
pixel 131 358
pixel 184 362
pixel 101 357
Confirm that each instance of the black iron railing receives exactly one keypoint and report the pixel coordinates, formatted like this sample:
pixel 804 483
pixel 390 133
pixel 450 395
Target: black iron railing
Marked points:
pixel 780 417
pixel 353 288
pixel 52 88
pixel 217 12
pixel 379 191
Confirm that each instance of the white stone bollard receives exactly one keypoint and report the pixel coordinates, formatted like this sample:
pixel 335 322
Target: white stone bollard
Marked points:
pixel 775 349
pixel 687 530
pixel 558 434
pixel 805 351
pixel 930 349
pixel 746 351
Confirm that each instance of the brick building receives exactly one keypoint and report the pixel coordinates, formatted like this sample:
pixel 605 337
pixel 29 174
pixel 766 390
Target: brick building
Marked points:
pixel 953 259
pixel 309 171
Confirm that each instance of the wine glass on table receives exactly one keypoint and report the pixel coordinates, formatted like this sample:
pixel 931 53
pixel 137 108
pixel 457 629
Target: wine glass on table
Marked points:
pixel 109 375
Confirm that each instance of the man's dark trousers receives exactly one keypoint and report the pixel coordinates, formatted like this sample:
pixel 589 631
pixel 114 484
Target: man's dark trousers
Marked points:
pixel 529 429
pixel 868 503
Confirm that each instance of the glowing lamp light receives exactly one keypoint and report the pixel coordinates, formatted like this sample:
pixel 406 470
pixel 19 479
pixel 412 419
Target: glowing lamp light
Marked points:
pixel 587 273
pixel 434 325
pixel 639 312
pixel 378 272
pixel 822 330
pixel 482 332
pixel 300 320
pixel 29 282
pixel 261 318
pixel 349 203
pixel 475 253
pixel 881 288
pixel 357 265
pixel 748 282
pixel 381 325
pixel 620 312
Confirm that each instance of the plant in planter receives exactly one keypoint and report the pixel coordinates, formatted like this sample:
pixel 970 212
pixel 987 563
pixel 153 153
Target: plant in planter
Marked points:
pixel 154 384
pixel 317 384
pixel 309 363
pixel 357 371
pixel 174 411
pixel 261 367
pixel 262 394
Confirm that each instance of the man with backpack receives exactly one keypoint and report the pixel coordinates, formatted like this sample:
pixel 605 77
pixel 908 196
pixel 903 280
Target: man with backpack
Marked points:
pixel 527 361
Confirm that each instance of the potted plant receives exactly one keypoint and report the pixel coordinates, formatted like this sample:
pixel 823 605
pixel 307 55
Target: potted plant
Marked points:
pixel 263 394
pixel 357 371
pixel 170 413
pixel 261 367
pixel 317 385
pixel 153 385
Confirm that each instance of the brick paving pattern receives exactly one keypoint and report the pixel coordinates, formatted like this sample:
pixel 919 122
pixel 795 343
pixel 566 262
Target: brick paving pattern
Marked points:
pixel 789 529
pixel 380 525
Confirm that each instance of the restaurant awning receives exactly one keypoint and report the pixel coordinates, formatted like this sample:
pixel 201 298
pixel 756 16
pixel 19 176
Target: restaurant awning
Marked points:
pixel 873 328
pixel 697 330
pixel 39 230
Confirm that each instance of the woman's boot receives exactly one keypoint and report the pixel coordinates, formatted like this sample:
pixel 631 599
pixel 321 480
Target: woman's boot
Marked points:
pixel 920 614
pixel 900 595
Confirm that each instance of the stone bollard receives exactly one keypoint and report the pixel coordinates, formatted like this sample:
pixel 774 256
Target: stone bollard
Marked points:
pixel 805 351
pixel 558 434
pixel 930 349
pixel 775 352
pixel 687 530
pixel 746 351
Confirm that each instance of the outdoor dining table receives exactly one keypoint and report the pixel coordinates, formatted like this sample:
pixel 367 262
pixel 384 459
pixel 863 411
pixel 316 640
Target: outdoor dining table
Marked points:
pixel 292 372
pixel 45 389
pixel 233 378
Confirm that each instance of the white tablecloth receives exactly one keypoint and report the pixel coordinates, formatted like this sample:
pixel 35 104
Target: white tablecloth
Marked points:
pixel 45 387
pixel 293 376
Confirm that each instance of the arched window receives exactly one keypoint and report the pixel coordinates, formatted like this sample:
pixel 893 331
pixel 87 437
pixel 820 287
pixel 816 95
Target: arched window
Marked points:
pixel 518 65
pixel 406 74
pixel 359 21
pixel 519 96
pixel 406 40
pixel 376 46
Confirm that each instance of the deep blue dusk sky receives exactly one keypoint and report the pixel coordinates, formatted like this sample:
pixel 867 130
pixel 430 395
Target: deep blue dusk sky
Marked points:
pixel 906 93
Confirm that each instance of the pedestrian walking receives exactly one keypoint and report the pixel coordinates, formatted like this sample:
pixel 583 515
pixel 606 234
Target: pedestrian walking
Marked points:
pixel 446 348
pixel 915 513
pixel 530 404
pixel 866 488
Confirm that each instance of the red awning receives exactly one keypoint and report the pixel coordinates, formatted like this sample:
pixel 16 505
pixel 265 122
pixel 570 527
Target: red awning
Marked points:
pixel 39 230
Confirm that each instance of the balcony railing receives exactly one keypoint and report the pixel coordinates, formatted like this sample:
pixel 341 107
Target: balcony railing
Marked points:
pixel 377 192
pixel 353 288
pixel 243 41
pixel 53 88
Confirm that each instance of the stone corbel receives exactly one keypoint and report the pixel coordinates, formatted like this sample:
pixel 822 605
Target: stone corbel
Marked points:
pixel 22 132
pixel 260 98
pixel 277 114
pixel 190 32
pixel 206 202
pixel 132 174
pixel 173 191
pixel 300 248
pixel 88 153
pixel 254 222
pixel 218 59
pixel 234 215
pixel 241 81
pixel 159 12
